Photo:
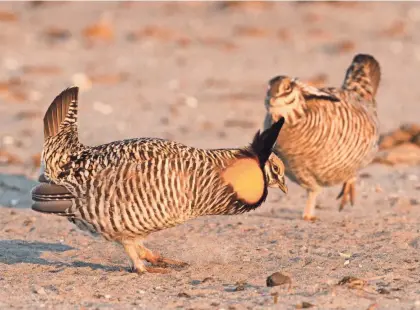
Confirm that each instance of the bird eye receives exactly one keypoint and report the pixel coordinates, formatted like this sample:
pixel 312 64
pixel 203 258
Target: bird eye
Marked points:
pixel 276 169
pixel 287 88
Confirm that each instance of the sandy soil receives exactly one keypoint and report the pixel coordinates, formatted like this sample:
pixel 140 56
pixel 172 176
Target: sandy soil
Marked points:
pixel 196 73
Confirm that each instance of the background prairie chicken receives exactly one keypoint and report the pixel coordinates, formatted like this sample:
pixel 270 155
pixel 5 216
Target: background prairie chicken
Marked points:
pixel 127 189
pixel 329 133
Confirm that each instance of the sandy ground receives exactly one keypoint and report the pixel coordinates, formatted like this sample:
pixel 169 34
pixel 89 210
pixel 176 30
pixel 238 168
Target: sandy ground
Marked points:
pixel 196 73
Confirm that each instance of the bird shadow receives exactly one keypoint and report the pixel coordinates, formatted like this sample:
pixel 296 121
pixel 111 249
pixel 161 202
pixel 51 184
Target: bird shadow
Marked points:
pixel 20 251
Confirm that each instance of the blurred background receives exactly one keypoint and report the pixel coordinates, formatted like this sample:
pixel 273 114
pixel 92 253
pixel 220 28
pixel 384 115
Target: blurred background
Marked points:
pixel 197 72
pixel 192 71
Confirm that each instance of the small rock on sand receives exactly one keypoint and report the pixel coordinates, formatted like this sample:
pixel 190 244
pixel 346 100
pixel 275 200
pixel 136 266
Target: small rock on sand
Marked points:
pixel 277 279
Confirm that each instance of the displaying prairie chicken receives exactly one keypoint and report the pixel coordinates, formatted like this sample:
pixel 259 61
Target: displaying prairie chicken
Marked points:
pixel 329 133
pixel 125 190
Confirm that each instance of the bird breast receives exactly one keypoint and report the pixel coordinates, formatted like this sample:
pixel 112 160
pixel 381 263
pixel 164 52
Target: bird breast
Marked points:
pixel 329 144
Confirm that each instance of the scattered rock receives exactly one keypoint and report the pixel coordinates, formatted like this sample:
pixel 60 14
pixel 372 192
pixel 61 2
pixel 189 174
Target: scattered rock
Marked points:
pixel 207 279
pixel 397 137
pixel 39 290
pixel 191 101
pixel 407 153
pixel 352 282
pixel 183 294
pixel 405 133
pixel 416 140
pixel 8 16
pixel 54 34
pixel 415 243
pixel 102 296
pixel 383 291
pixel 102 31
pixel 7 158
pixel 304 305
pixel 240 286
pixel 277 279
pixel 29 221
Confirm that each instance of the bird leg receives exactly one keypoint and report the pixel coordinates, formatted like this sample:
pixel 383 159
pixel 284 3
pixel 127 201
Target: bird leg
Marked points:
pixel 348 191
pixel 309 212
pixel 138 266
pixel 157 260
pixel 130 249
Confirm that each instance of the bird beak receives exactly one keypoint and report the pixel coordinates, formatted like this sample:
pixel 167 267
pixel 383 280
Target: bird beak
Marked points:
pixel 283 187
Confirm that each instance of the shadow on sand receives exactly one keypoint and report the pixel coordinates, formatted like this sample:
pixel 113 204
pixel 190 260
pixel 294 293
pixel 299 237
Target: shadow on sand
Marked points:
pixel 21 251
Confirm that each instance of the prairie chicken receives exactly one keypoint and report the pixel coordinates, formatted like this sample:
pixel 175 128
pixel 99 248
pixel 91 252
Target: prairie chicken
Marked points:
pixel 125 190
pixel 329 133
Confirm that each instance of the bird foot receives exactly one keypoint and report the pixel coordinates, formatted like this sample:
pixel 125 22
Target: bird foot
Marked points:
pixel 171 262
pixel 310 218
pixel 348 192
pixel 161 261
pixel 148 269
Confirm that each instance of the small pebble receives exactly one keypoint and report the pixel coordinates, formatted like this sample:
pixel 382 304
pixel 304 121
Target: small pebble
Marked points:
pixel 8 140
pixel 191 102
pixel 277 279
pixel 39 290
pixel 304 305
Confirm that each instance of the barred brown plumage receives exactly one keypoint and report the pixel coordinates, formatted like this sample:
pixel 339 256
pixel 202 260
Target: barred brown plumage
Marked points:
pixel 125 190
pixel 329 133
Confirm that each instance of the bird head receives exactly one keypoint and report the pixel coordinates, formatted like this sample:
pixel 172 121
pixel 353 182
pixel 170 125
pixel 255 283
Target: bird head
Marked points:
pixel 274 169
pixel 283 97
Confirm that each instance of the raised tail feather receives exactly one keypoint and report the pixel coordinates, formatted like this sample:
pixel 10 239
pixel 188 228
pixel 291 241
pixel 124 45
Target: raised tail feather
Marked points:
pixel 263 143
pixel 62 112
pixel 363 76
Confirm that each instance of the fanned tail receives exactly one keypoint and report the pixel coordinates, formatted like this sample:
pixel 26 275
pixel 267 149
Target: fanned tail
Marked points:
pixel 61 113
pixel 363 76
